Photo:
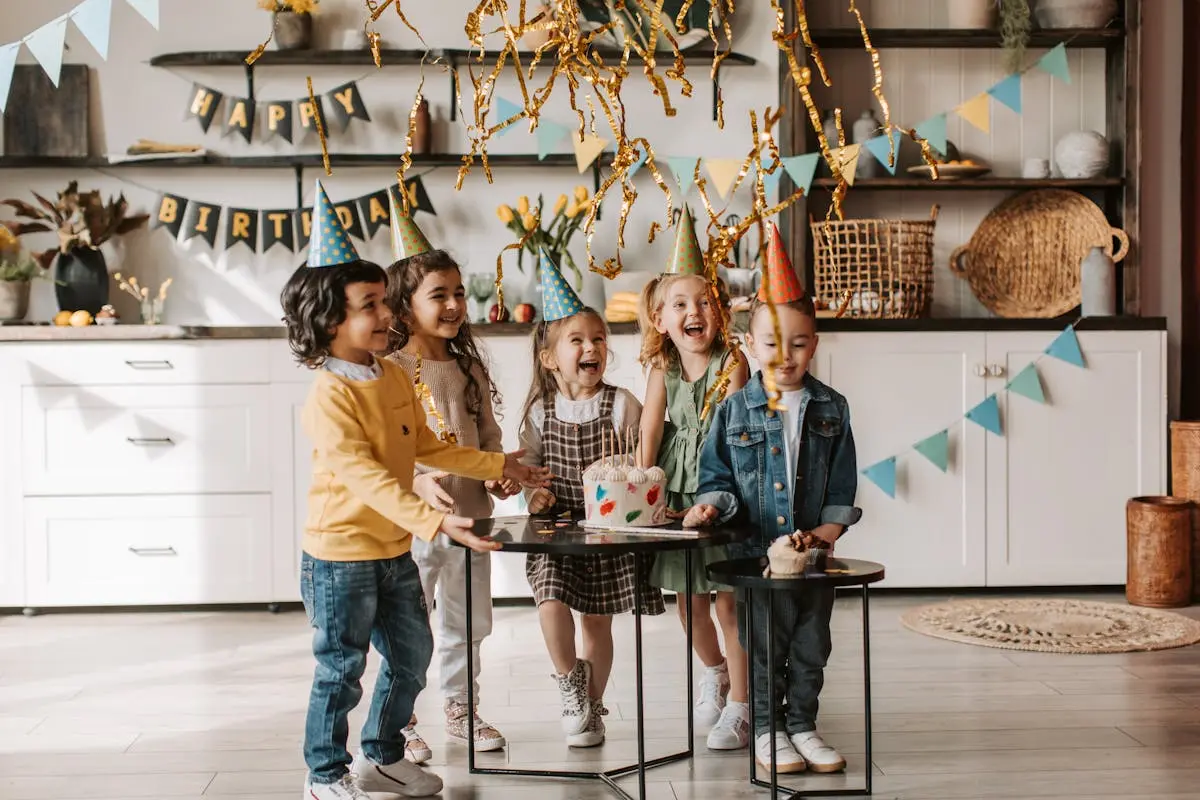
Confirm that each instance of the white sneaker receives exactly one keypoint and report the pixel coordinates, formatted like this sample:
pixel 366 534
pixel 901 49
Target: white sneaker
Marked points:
pixel 732 731
pixel 345 789
pixel 820 756
pixel 714 686
pixel 787 760
pixel 573 692
pixel 401 778
pixel 416 749
pixel 593 735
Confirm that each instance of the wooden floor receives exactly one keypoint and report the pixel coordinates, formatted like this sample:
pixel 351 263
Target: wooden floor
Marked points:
pixel 190 705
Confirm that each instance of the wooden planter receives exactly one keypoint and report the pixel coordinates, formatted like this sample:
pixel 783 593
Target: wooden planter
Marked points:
pixel 1185 482
pixel 1159 552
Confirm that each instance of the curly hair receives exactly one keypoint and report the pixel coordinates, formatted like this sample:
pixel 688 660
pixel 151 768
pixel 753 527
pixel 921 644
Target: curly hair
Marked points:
pixel 314 305
pixel 657 349
pixel 404 278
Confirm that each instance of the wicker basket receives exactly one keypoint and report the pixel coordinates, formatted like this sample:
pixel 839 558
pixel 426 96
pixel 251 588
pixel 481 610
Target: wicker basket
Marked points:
pixel 1159 552
pixel 1185 482
pixel 885 264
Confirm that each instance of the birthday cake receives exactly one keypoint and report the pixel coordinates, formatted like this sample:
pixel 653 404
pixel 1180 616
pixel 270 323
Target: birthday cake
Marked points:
pixel 619 494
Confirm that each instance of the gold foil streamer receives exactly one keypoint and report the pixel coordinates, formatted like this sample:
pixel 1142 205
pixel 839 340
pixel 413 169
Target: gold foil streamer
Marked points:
pixel 877 84
pixel 426 396
pixel 320 126
pixel 517 245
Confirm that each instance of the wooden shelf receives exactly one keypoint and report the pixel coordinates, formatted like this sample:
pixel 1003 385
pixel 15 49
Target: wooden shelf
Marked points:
pixel 393 58
pixel 973 184
pixel 851 39
pixel 390 160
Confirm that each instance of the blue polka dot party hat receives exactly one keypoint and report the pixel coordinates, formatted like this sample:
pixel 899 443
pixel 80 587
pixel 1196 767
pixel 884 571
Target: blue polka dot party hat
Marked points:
pixel 329 245
pixel 559 300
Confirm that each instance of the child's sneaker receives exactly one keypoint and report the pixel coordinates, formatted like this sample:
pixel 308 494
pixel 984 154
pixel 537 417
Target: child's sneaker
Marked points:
pixel 593 735
pixel 820 756
pixel 787 760
pixel 732 731
pixel 401 778
pixel 714 686
pixel 345 789
pixel 572 689
pixel 486 737
pixel 416 749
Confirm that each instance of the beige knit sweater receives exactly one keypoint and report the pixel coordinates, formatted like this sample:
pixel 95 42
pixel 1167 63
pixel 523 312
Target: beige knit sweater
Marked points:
pixel 448 385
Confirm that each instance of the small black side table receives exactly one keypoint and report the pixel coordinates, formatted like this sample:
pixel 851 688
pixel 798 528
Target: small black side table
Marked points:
pixel 559 536
pixel 747 573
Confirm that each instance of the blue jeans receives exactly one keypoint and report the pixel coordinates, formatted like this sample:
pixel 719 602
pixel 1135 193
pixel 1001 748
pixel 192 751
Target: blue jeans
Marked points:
pixel 352 605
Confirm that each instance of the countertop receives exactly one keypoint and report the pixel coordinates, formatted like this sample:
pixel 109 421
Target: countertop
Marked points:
pixel 105 333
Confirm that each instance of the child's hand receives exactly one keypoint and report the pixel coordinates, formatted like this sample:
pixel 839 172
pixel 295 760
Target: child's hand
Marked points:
pixel 503 488
pixel 828 533
pixel 426 487
pixel 531 477
pixel 541 501
pixel 701 515
pixel 460 529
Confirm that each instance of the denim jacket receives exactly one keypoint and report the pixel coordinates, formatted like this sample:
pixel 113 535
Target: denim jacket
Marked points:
pixel 744 471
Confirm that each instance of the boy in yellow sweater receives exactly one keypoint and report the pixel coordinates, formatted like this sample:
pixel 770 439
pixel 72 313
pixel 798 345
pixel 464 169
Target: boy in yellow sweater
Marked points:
pixel 358 580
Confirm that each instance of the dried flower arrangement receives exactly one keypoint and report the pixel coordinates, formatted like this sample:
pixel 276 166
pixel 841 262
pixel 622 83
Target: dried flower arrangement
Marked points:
pixel 294 6
pixel 81 219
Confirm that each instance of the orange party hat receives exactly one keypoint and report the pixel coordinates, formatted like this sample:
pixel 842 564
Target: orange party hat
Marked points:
pixel 779 278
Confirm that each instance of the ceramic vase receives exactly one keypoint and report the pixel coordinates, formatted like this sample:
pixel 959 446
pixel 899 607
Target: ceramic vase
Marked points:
pixel 423 132
pixel 292 31
pixel 1081 154
pixel 14 300
pixel 1059 14
pixel 1098 284
pixel 82 280
pixel 866 127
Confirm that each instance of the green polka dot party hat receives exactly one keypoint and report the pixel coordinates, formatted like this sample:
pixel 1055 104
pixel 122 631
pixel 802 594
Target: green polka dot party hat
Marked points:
pixel 559 300
pixel 329 245
pixel 407 239
pixel 780 281
pixel 686 257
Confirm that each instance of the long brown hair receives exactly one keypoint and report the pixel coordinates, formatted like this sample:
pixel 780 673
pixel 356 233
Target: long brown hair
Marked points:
pixel 404 278
pixel 545 338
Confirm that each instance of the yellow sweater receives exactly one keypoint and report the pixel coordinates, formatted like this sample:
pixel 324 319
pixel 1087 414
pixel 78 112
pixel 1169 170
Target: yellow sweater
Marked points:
pixel 367 436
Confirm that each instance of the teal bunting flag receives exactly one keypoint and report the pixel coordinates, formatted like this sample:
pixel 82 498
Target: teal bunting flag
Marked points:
pixel 506 109
pixel 549 136
pixel 933 130
pixel 883 475
pixel 801 169
pixel 880 148
pixel 1008 92
pixel 641 159
pixel 1066 348
pixel 771 179
pixel 1055 62
pixel 684 170
pixel 936 448
pixel 987 415
pixel 1028 383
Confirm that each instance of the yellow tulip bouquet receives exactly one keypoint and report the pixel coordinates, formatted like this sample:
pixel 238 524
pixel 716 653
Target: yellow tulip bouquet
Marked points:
pixel 569 215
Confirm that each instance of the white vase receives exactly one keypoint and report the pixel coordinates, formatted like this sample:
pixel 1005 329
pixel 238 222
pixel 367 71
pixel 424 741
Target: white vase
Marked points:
pixel 1060 14
pixel 1081 154
pixel 1098 284
pixel 971 14
pixel 866 127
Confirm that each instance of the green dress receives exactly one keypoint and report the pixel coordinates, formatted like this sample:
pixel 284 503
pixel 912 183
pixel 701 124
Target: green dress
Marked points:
pixel 679 456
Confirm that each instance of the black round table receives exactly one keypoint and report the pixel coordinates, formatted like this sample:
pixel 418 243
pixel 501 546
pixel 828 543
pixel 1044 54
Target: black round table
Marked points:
pixel 747 573
pixel 566 536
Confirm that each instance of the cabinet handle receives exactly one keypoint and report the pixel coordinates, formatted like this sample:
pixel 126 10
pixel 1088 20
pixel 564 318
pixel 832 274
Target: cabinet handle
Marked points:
pixel 150 441
pixel 996 370
pixel 162 364
pixel 153 551
pixel 981 370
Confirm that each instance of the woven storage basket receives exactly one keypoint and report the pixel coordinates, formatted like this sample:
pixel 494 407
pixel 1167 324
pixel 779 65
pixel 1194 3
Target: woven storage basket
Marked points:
pixel 885 264
pixel 1023 259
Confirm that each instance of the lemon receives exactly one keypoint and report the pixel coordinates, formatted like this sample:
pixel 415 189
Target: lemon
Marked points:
pixel 80 319
pixel 62 318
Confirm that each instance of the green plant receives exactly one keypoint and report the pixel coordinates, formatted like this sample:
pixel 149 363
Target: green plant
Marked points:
pixel 80 219
pixel 1014 32
pixel 16 265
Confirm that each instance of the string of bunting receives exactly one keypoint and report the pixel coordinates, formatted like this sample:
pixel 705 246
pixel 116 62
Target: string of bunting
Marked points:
pixel 1027 383
pixel 93 18
pixel 280 116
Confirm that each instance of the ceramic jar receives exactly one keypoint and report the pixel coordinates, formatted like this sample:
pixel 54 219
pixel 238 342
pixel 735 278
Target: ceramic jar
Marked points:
pixel 1081 154
pixel 1098 284
pixel 866 127
pixel 1058 14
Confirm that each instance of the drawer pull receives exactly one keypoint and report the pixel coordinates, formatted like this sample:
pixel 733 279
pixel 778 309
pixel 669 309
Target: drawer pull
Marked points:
pixel 150 441
pixel 163 364
pixel 153 551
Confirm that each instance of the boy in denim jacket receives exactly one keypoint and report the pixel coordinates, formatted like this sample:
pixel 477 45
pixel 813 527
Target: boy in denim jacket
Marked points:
pixel 776 472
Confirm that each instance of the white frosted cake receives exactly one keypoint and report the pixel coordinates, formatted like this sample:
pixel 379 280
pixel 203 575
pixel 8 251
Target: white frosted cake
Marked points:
pixel 621 495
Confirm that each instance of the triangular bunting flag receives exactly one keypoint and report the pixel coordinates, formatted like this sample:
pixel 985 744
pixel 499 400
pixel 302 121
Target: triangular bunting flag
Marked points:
pixel 933 130
pixel 801 169
pixel 936 448
pixel 846 159
pixel 1055 63
pixel 987 415
pixel 883 475
pixel 684 170
pixel 94 18
pixel 588 150
pixel 637 164
pixel 506 109
pixel 46 44
pixel 1028 383
pixel 148 9
pixel 724 172
pixel 881 147
pixel 771 179
pixel 8 60
pixel 1066 348
pixel 549 136
pixel 1008 92
pixel 977 111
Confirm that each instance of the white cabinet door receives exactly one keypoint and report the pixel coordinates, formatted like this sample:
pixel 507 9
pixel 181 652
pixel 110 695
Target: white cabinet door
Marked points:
pixel 291 470
pixel 903 387
pixel 12 533
pixel 1059 478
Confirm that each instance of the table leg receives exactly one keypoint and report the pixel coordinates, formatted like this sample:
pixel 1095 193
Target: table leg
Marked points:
pixel 470 668
pixel 771 691
pixel 687 599
pixel 750 679
pixel 866 624
pixel 641 709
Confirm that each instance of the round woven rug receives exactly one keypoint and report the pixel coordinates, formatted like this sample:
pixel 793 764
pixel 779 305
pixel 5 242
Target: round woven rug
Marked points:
pixel 1051 625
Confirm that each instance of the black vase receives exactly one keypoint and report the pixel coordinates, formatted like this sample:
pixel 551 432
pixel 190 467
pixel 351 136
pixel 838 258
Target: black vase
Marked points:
pixel 82 279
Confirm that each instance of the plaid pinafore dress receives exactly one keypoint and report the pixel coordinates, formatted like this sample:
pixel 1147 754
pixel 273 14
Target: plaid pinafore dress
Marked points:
pixel 591 584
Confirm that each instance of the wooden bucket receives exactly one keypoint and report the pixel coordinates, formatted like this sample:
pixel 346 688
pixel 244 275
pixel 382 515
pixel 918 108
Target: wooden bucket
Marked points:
pixel 1185 482
pixel 1158 570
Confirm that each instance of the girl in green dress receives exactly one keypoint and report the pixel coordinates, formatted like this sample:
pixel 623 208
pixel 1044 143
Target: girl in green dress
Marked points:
pixel 684 351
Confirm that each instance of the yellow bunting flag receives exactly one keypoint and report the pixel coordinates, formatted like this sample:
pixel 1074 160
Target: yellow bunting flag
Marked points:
pixel 724 172
pixel 846 159
pixel 977 111
pixel 588 150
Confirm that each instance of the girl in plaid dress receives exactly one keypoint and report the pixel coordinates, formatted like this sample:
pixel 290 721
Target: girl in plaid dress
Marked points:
pixel 569 410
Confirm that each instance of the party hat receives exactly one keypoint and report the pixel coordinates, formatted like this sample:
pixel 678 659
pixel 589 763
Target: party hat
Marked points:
pixel 779 278
pixel 329 245
pixel 686 258
pixel 559 300
pixel 407 239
